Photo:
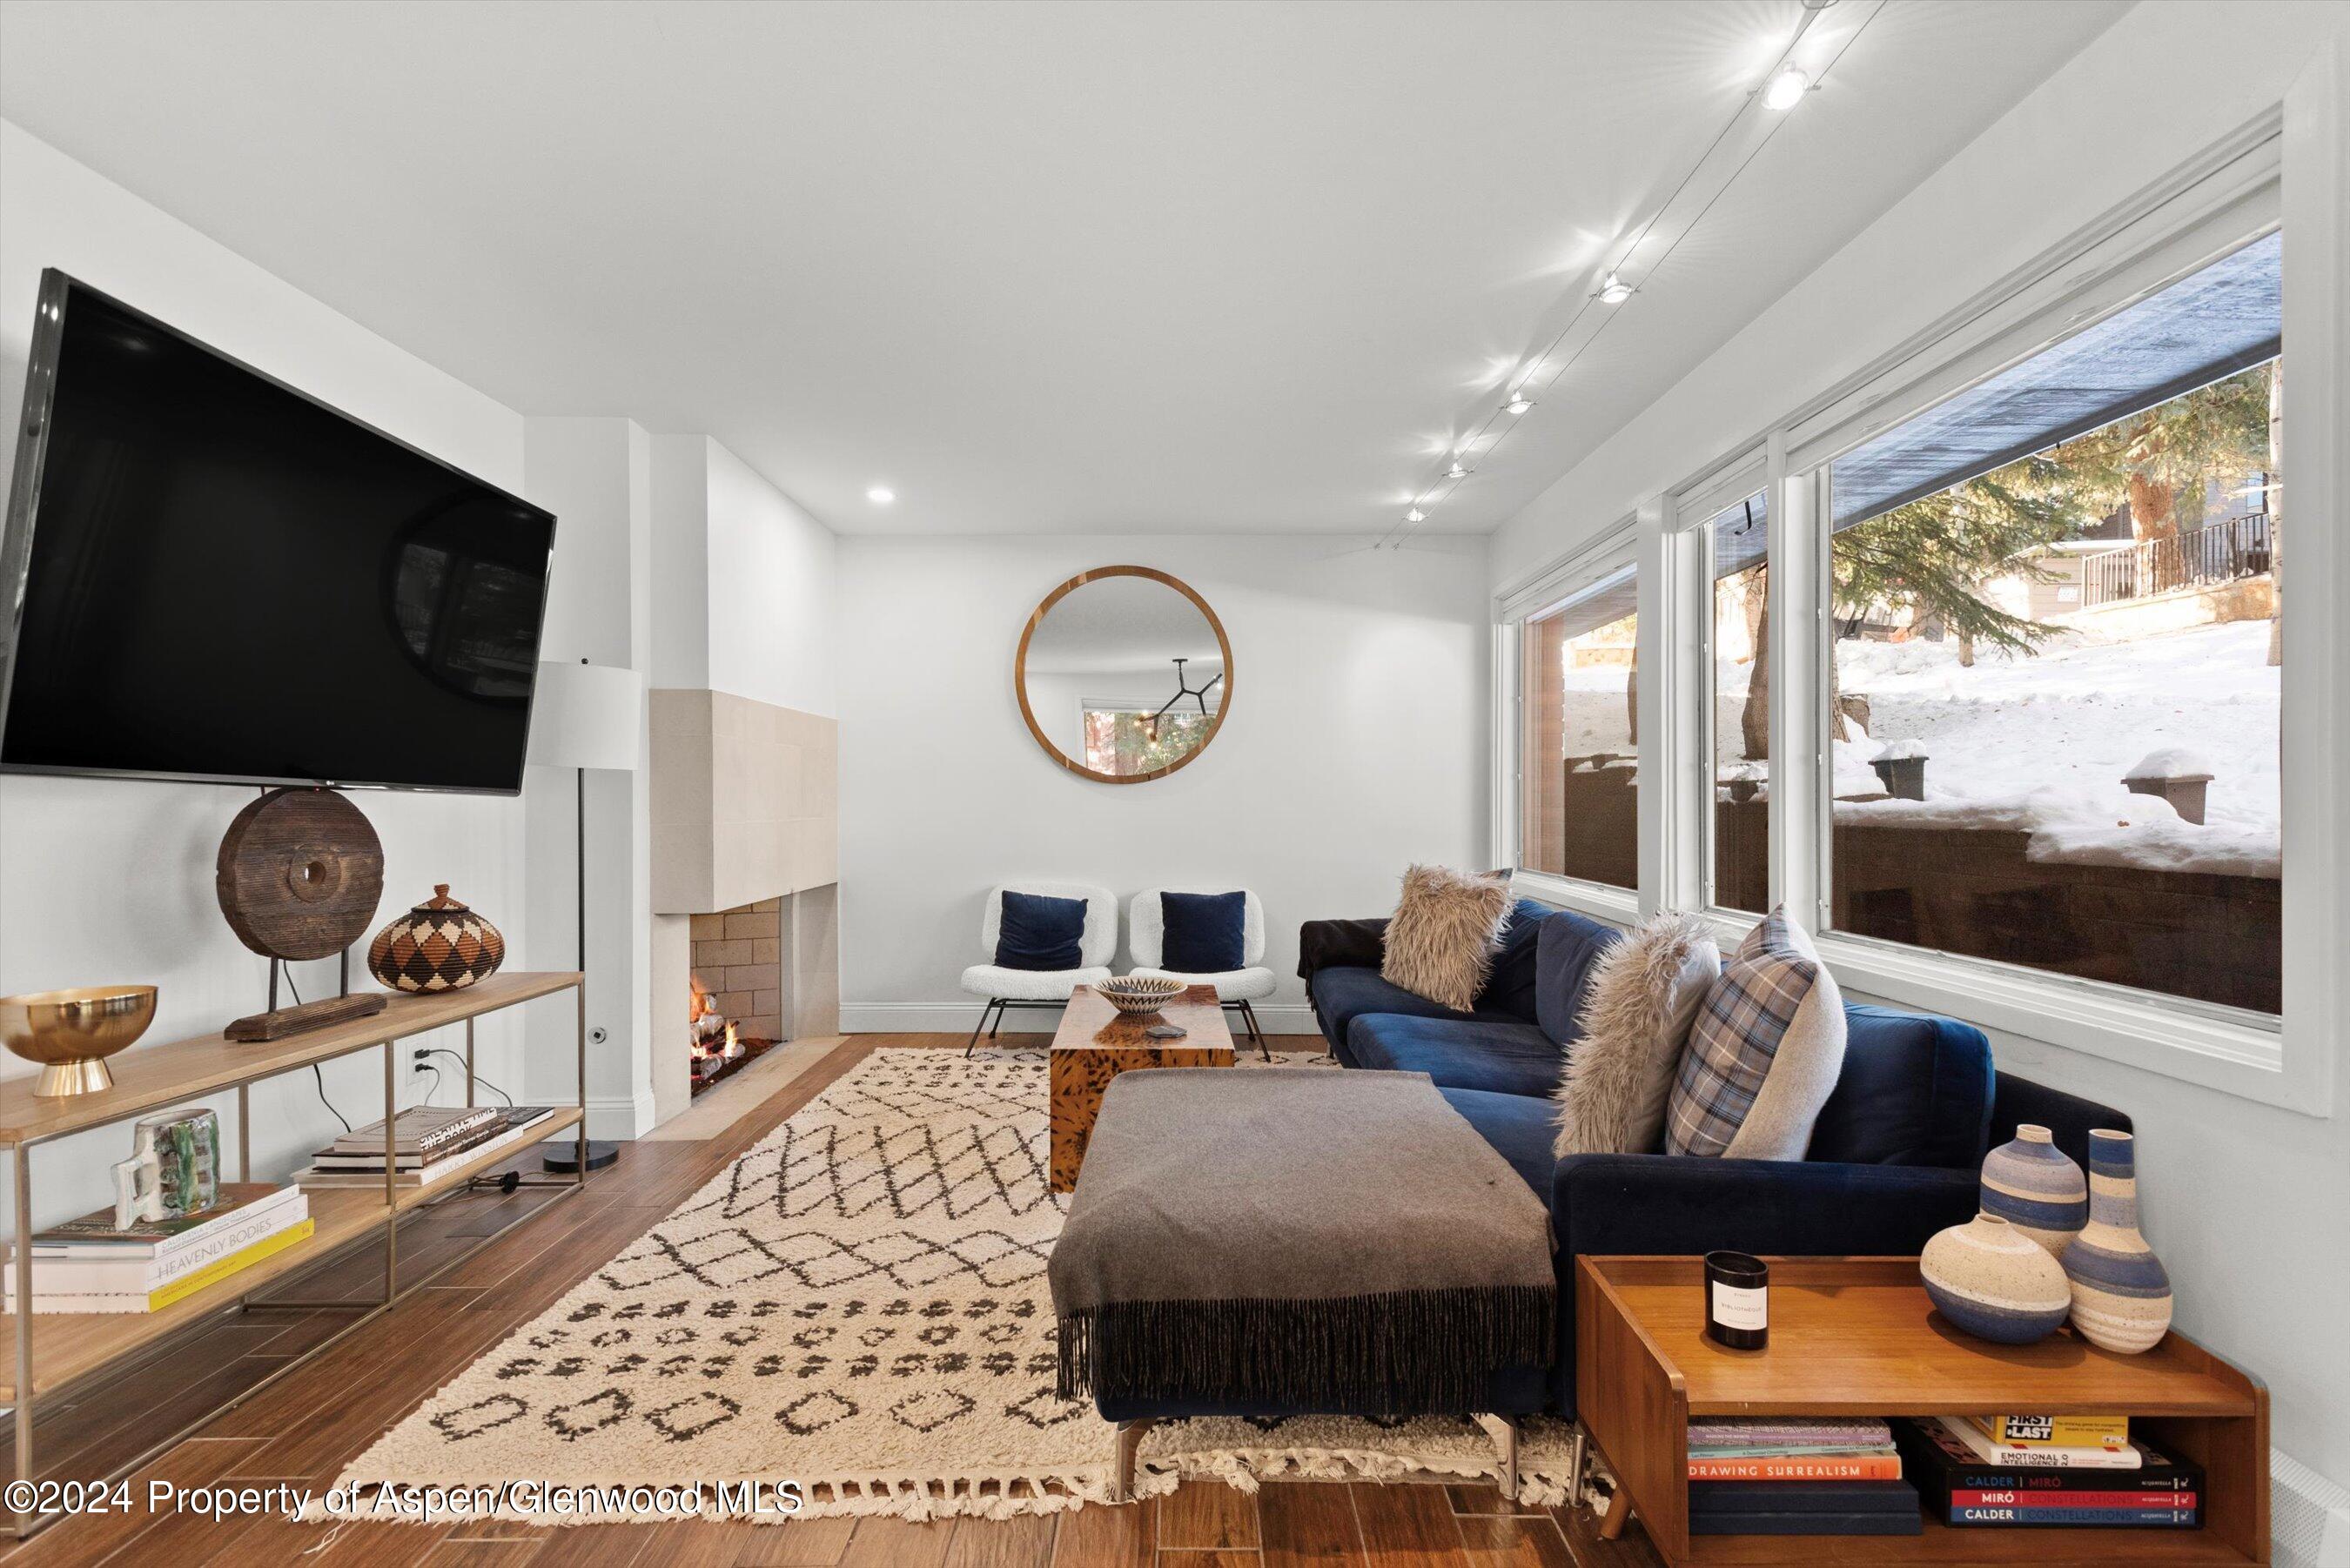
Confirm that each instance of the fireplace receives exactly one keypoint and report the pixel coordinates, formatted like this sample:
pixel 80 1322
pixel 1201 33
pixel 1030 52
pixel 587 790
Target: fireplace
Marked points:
pixel 734 1000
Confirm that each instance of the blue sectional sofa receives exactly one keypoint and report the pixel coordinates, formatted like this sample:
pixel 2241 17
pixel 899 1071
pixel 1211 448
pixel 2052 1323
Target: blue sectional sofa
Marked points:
pixel 1895 1157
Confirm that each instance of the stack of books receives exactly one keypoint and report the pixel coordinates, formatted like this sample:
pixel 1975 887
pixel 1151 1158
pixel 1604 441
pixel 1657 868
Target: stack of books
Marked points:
pixel 1824 1476
pixel 92 1265
pixel 427 1143
pixel 2049 1473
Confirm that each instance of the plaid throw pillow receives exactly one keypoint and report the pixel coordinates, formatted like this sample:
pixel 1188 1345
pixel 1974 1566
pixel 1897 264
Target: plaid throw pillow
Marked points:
pixel 1765 1054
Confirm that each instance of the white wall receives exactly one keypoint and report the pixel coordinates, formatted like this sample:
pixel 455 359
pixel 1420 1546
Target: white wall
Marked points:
pixel 743 582
pixel 596 475
pixel 1354 744
pixel 2243 1201
pixel 105 880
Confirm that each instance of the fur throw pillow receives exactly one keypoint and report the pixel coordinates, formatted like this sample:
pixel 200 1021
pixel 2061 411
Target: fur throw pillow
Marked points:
pixel 1644 995
pixel 1440 944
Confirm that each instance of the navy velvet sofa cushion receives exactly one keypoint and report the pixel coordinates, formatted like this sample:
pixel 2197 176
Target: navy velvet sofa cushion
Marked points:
pixel 1509 1058
pixel 1039 933
pixel 1510 987
pixel 1915 1090
pixel 1205 933
pixel 1521 1127
pixel 1343 994
pixel 1566 948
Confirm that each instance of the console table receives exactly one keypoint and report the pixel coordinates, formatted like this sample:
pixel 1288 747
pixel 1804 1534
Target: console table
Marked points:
pixel 1856 1337
pixel 56 1350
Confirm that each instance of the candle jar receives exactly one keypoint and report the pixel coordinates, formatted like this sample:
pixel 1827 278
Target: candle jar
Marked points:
pixel 1737 1301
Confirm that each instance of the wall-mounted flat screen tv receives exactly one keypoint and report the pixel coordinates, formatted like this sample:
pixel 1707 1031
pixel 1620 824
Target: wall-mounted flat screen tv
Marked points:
pixel 214 576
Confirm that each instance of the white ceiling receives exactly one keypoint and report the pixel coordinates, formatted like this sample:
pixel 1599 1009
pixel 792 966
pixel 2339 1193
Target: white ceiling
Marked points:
pixel 1039 268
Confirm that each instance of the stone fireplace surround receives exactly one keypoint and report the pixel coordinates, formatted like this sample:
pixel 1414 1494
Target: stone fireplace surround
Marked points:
pixel 746 860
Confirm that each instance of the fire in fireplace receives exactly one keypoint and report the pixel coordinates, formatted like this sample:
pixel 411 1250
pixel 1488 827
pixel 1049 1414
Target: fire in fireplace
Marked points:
pixel 718 1046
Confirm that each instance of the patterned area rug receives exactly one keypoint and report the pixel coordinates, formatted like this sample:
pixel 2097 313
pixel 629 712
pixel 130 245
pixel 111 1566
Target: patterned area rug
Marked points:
pixel 858 1303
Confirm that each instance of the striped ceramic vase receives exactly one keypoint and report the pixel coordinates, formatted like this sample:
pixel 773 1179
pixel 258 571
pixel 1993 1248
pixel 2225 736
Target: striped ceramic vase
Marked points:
pixel 2034 1186
pixel 2121 1296
pixel 1993 1281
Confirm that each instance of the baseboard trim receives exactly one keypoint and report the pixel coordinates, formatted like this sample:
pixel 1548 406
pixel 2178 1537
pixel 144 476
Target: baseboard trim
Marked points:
pixel 958 1018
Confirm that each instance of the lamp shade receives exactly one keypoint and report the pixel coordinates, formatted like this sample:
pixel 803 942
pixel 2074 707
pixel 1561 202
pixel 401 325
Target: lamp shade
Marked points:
pixel 587 716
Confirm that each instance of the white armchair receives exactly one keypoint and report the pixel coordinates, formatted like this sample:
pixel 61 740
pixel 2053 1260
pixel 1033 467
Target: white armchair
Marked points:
pixel 1003 988
pixel 1236 987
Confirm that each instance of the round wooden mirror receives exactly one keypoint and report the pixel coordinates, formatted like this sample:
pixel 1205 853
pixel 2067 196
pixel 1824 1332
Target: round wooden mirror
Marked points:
pixel 1124 674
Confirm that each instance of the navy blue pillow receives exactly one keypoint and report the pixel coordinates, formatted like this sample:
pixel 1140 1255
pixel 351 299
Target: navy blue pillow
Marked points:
pixel 1040 932
pixel 1206 932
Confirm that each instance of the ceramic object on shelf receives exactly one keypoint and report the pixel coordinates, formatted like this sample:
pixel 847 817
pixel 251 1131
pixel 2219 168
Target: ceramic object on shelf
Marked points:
pixel 173 1170
pixel 440 945
pixel 2121 1293
pixel 2034 1186
pixel 1995 1283
pixel 1138 993
pixel 72 1032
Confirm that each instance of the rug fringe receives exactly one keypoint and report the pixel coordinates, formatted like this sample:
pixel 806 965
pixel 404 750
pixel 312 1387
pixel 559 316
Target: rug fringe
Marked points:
pixel 991 1494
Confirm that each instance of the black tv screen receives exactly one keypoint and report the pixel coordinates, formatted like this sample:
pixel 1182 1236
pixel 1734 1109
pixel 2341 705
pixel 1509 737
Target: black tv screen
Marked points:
pixel 225 579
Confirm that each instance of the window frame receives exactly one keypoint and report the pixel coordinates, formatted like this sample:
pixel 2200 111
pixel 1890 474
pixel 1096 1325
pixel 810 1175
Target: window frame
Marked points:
pixel 1609 551
pixel 2232 194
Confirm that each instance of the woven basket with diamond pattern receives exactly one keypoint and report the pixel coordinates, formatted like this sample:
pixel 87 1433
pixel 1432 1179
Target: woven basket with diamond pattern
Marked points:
pixel 440 945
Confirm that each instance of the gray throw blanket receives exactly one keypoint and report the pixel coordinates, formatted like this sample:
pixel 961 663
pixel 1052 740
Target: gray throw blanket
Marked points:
pixel 1298 1238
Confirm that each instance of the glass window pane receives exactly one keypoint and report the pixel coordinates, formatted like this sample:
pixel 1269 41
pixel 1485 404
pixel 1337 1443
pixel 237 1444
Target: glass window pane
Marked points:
pixel 2056 689
pixel 1742 706
pixel 1578 799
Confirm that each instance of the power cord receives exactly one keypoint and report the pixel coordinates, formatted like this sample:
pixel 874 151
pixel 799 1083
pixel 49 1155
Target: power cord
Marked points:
pixel 445 1051
pixel 316 1071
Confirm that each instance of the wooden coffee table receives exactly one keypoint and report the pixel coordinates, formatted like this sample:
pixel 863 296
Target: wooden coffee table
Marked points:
pixel 1095 1043
pixel 1856 1337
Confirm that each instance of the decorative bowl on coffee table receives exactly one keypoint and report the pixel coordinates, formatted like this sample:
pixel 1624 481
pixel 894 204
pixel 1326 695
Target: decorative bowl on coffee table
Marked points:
pixel 71 1033
pixel 1140 994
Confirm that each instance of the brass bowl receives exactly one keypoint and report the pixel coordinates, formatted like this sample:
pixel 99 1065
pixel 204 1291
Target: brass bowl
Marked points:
pixel 1137 993
pixel 71 1033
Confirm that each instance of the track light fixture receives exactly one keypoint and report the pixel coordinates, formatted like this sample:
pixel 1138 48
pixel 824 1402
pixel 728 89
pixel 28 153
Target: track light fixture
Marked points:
pixel 1456 472
pixel 1519 403
pixel 1415 515
pixel 1614 290
pixel 1786 90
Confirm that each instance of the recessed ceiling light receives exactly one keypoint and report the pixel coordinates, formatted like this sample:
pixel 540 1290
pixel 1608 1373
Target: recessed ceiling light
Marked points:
pixel 1614 290
pixel 1415 515
pixel 1519 403
pixel 881 495
pixel 1786 90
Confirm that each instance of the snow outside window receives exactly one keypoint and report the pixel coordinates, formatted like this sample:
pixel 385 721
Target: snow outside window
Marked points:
pixel 2054 677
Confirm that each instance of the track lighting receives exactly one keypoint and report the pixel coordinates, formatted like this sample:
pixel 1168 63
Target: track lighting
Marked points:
pixel 1456 472
pixel 1614 290
pixel 1519 403
pixel 1786 90
pixel 1415 515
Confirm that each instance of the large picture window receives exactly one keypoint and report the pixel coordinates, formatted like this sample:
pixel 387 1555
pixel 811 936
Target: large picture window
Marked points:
pixel 2053 674
pixel 1579 750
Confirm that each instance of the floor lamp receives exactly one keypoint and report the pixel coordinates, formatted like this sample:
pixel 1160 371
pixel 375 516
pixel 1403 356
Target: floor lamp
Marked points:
pixel 585 716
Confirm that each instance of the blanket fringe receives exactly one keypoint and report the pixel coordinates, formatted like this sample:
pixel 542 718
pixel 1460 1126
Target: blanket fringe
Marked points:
pixel 1396 1353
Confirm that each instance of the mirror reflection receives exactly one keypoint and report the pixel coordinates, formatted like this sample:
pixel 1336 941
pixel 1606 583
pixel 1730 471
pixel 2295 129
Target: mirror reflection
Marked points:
pixel 1123 674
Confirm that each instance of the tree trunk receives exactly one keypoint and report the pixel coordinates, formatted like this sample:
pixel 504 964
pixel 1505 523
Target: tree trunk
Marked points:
pixel 2149 504
pixel 2275 502
pixel 1755 720
pixel 1632 697
pixel 1966 649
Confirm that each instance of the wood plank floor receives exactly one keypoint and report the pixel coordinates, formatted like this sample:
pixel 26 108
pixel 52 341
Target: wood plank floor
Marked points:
pixel 304 1428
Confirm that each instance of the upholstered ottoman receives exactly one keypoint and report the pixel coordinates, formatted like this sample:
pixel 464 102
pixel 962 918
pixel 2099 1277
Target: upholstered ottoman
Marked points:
pixel 1296 1240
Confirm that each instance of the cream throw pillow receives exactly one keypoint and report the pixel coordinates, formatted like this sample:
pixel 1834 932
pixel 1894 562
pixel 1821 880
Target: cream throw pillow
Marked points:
pixel 1645 993
pixel 1440 944
pixel 1765 1054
